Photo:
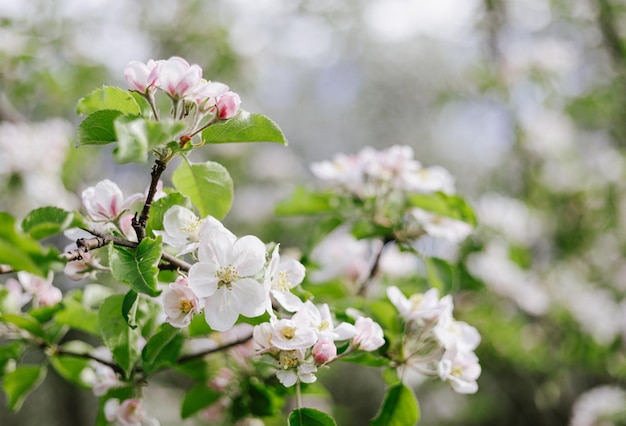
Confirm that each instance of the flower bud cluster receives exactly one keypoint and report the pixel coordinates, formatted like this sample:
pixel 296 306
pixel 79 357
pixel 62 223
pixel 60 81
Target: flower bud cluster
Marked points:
pixel 434 343
pixel 183 83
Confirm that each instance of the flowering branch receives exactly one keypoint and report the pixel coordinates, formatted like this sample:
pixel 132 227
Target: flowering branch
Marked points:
pixel 191 357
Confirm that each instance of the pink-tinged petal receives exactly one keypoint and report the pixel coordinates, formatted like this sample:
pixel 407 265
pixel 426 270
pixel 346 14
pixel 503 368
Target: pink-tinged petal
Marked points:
pixel 189 81
pixel 202 279
pixel 136 75
pixel 253 297
pixel 324 351
pixel 249 253
pixel 228 105
pixel 221 310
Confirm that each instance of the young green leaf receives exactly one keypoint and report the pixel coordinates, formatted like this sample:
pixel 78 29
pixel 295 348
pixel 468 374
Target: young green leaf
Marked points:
pixel 137 136
pixel 399 408
pixel 70 368
pixel 452 206
pixel 208 185
pixel 116 334
pixel 129 308
pixel 47 221
pixel 75 315
pixel 9 353
pixel 310 417
pixel 22 252
pixel 244 127
pixel 137 267
pixel 162 349
pixel 108 97
pixel 197 398
pixel 98 128
pixel 19 383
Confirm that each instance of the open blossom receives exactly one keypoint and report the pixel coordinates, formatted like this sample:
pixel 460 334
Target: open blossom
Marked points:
pixel 207 93
pixel 280 277
pixel 225 276
pixel 294 367
pixel 177 78
pixel 105 201
pixel 128 413
pixel 180 303
pixel 183 230
pixel 41 289
pixel 286 334
pixel 443 227
pixel 420 307
pixel 461 369
pixel 369 334
pixel 322 322
pixel 141 77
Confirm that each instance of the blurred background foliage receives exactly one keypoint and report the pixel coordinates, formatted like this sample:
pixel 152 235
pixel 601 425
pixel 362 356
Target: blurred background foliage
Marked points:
pixel 524 101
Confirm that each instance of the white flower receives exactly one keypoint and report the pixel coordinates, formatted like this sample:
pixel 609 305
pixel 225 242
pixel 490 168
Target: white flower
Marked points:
pixel 105 201
pixel 430 179
pixel 294 333
pixel 177 78
pixel 127 413
pixel 42 290
pixel 322 322
pixel 183 230
pixel 452 333
pixel 180 303
pixel 420 307
pixel 293 368
pixel 369 334
pixel 281 276
pixel 100 377
pixel 225 276
pixel 443 227
pixel 597 405
pixel 461 369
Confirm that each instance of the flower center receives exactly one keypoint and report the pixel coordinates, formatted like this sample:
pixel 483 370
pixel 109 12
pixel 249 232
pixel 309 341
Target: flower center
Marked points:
pixel 323 325
pixel 288 332
pixel 185 306
pixel 226 275
pixel 282 282
pixel 191 227
pixel 416 301
pixel 288 359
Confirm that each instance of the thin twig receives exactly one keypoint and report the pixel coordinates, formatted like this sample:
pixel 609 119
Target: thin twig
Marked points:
pixel 191 357
pixel 61 351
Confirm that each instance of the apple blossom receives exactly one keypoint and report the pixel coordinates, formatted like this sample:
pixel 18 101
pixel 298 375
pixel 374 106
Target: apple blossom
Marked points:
pixel 369 334
pixel 105 201
pixel 321 320
pixel 15 297
pixel 177 78
pixel 207 93
pixel 180 303
pixel 293 367
pixel 228 105
pixel 182 229
pixel 324 351
pixel 288 334
pixel 443 227
pixel 100 378
pixel 461 369
pixel 225 274
pixel 280 277
pixel 42 290
pixel 420 307
pixel 141 77
pixel 130 412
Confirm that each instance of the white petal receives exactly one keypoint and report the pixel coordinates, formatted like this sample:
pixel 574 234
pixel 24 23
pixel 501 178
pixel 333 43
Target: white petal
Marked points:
pixel 202 279
pixel 249 252
pixel 287 300
pixel 222 309
pixel 253 297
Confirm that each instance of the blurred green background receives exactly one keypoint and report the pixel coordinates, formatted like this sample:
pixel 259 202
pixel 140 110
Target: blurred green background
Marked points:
pixel 524 101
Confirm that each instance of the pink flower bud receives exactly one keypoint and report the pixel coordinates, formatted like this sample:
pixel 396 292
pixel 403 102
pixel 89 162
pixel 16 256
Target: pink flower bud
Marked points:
pixel 228 105
pixel 324 351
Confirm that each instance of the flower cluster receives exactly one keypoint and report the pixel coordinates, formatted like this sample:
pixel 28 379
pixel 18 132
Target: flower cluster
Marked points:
pixel 306 340
pixel 381 182
pixel 434 343
pixel 184 84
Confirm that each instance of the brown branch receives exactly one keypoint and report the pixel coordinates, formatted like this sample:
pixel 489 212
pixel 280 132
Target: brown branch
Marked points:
pixel 57 350
pixel 374 267
pixel 139 223
pixel 191 357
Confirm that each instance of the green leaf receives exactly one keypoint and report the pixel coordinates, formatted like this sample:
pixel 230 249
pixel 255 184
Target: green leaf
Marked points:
pixel 162 205
pixel 310 417
pixel 305 201
pixel 75 315
pixel 208 185
pixel 197 398
pixel 244 127
pixel 25 322
pixel 366 358
pixel 137 267
pixel 22 252
pixel 116 334
pixel 98 128
pixel 137 136
pixel 70 368
pixel 47 221
pixel 163 349
pixel 199 326
pixel 399 408
pixel 452 206
pixel 129 308
pixel 108 97
pixel 9 352
pixel 20 383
